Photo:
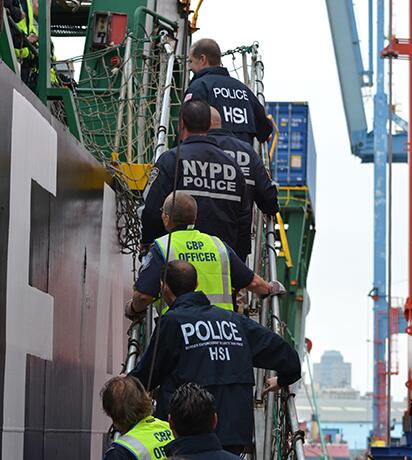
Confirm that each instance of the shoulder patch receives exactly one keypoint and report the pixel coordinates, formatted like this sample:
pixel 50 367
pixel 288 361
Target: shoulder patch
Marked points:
pixel 188 97
pixel 146 261
pixel 154 173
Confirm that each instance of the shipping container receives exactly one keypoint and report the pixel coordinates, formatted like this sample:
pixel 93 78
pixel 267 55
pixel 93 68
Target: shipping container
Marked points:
pixel 294 159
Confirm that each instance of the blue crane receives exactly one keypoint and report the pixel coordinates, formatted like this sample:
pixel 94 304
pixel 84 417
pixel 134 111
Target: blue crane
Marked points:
pixel 371 147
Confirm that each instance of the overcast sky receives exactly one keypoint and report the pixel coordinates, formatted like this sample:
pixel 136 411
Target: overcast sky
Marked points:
pixel 297 51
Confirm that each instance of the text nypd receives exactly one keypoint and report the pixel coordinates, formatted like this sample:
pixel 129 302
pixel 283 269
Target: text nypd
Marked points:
pixel 209 175
pixel 217 336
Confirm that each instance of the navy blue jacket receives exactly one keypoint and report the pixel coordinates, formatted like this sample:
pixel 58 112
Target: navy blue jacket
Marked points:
pixel 214 180
pixel 217 349
pixel 239 108
pixel 262 190
pixel 200 447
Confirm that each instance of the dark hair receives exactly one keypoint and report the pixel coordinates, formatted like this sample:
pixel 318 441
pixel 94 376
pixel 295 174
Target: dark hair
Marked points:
pixel 184 209
pixel 192 409
pixel 195 115
pixel 209 48
pixel 181 277
pixel 125 400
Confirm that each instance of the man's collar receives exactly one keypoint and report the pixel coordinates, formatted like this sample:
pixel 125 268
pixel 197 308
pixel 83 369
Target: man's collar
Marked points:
pixel 218 70
pixel 219 132
pixel 182 227
pixel 199 138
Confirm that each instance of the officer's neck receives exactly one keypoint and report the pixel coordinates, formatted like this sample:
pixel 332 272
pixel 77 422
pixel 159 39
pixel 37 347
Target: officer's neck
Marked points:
pixel 185 134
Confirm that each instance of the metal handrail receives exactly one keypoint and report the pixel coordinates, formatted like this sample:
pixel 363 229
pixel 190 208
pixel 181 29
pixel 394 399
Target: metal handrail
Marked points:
pixel 270 236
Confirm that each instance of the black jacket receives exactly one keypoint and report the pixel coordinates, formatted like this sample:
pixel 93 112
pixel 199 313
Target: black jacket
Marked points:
pixel 14 9
pixel 217 349
pixel 200 447
pixel 241 111
pixel 262 190
pixel 214 180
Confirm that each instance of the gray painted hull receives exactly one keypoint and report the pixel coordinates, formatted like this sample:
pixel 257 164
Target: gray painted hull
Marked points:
pixel 62 278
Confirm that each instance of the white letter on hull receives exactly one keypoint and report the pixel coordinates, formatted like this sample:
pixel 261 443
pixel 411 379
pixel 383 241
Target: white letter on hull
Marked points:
pixel 29 311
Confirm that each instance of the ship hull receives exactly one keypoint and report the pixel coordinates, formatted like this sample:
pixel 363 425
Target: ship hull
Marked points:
pixel 62 278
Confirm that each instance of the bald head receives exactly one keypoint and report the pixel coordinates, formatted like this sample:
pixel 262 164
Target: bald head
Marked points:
pixel 215 119
pixel 182 212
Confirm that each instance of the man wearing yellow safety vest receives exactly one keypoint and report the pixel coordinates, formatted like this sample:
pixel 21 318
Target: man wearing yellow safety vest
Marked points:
pixel 218 266
pixel 29 70
pixel 143 437
pixel 28 26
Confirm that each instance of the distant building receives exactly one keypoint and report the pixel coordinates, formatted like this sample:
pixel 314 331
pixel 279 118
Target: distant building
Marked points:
pixel 332 371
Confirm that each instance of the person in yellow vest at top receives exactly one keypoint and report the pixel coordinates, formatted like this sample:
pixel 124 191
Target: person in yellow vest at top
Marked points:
pixel 143 437
pixel 218 266
pixel 29 63
pixel 28 25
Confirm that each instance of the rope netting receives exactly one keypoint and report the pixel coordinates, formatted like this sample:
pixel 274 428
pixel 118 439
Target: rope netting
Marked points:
pixel 238 62
pixel 118 97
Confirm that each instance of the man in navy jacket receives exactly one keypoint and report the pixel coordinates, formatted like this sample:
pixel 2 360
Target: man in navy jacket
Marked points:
pixel 201 169
pixel 193 420
pixel 241 111
pixel 261 188
pixel 198 342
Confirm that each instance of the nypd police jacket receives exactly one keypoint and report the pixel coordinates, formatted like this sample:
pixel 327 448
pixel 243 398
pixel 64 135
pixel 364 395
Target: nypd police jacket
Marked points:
pixel 240 110
pixel 218 350
pixel 214 180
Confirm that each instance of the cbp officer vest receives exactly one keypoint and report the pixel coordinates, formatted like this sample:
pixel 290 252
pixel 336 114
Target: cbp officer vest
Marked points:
pixel 147 439
pixel 210 258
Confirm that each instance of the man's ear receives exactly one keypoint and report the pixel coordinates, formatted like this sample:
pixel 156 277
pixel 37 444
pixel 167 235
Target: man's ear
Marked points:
pixel 172 425
pixel 215 419
pixel 203 59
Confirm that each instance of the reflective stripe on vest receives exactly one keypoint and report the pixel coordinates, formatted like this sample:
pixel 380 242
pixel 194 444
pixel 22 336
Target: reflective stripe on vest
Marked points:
pixel 210 258
pixel 137 447
pixel 147 439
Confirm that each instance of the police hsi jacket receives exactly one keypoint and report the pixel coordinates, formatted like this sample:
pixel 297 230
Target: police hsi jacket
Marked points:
pixel 217 349
pixel 214 180
pixel 210 258
pixel 147 439
pixel 240 110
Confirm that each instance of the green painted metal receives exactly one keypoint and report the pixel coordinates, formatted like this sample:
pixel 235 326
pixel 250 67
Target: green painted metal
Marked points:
pixel 104 86
pixel 44 49
pixel 128 6
pixel 298 216
pixel 7 53
pixel 66 96
pixel 140 19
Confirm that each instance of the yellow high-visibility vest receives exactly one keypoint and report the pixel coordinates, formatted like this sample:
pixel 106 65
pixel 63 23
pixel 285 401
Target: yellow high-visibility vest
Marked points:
pixel 29 26
pixel 209 256
pixel 147 439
